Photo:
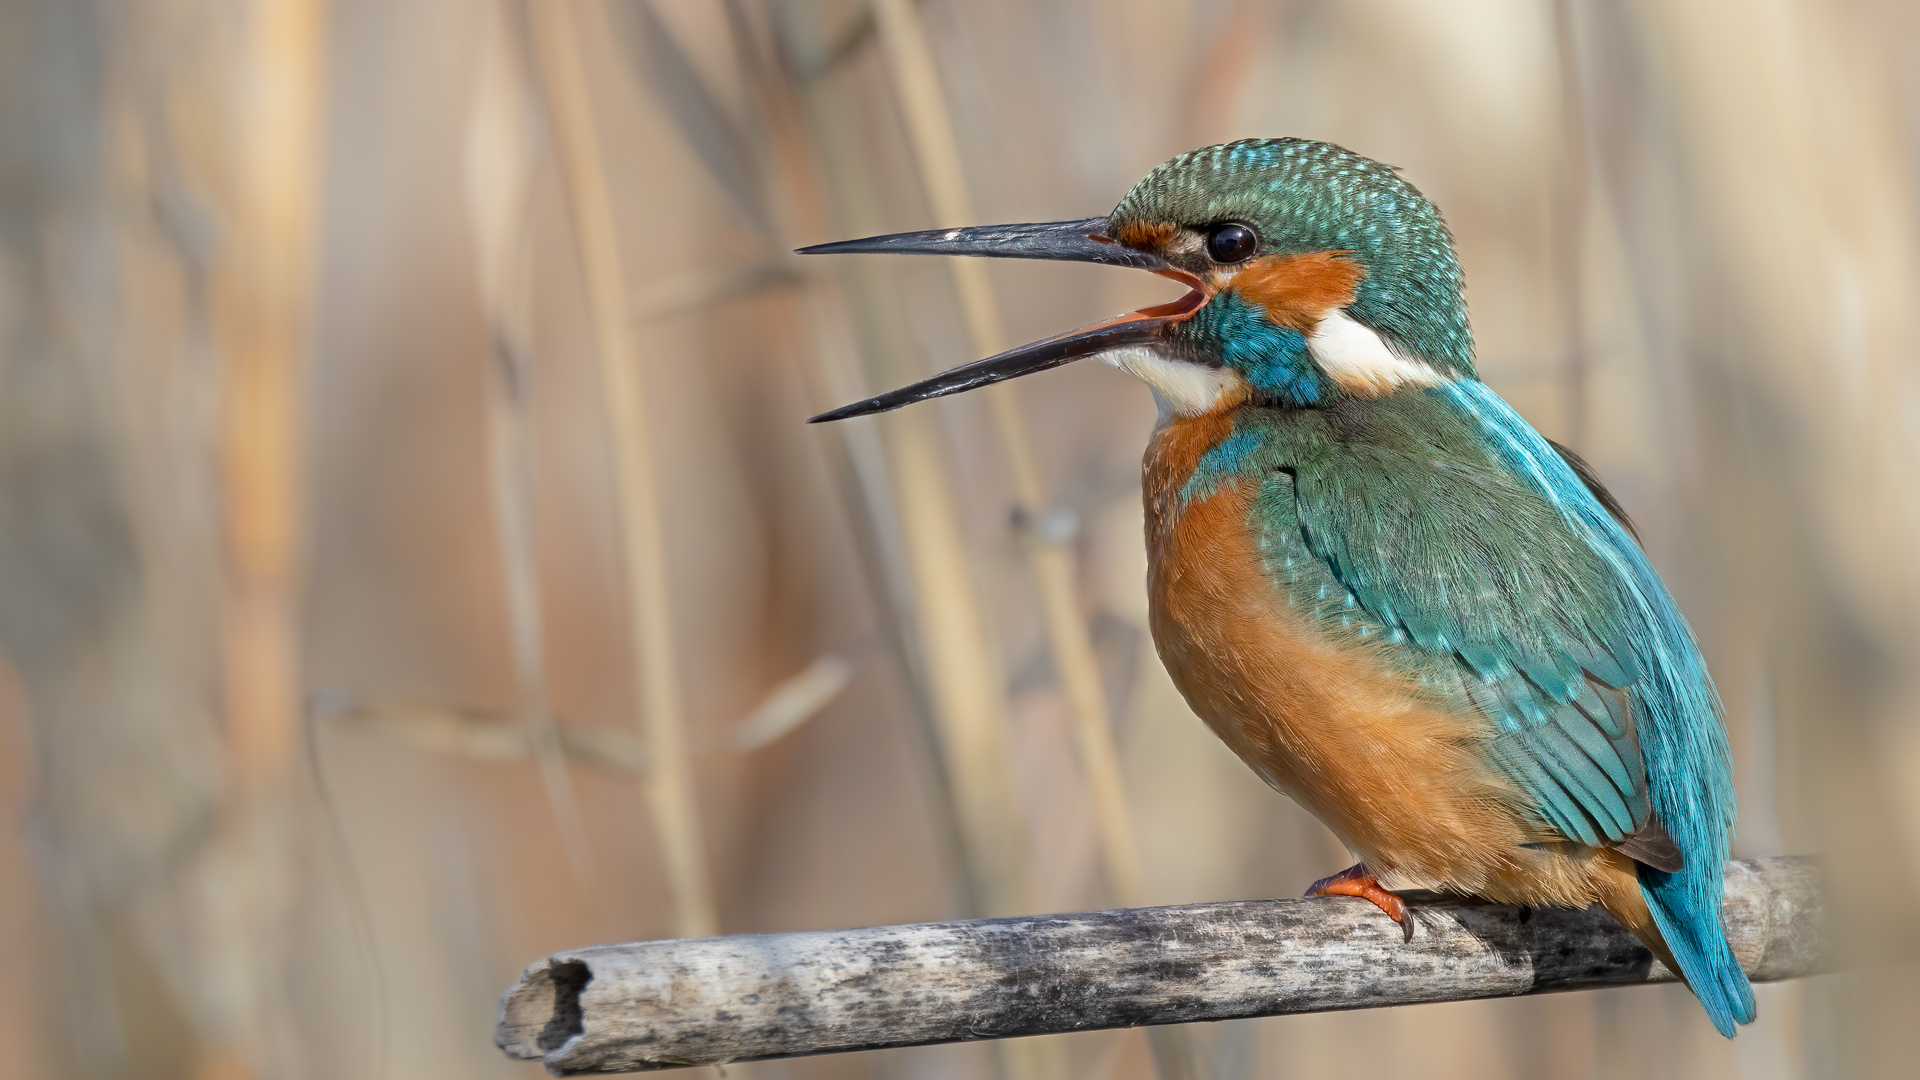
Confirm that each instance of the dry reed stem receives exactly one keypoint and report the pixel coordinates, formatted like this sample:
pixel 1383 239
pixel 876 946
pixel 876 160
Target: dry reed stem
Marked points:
pixel 855 457
pixel 263 302
pixel 500 735
pixel 510 484
pixel 490 734
pixel 500 158
pixel 938 153
pixel 797 699
pixel 948 658
pixel 670 781
pixel 963 675
pixel 856 454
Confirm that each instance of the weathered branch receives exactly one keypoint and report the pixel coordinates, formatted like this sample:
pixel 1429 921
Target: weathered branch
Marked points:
pixel 661 1004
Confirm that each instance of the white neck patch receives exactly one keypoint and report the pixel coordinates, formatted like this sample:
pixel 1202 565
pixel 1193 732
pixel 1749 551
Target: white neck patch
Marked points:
pixel 1179 387
pixel 1362 364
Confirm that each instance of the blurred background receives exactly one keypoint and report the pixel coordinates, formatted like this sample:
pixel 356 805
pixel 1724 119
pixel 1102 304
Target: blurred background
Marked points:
pixel 413 560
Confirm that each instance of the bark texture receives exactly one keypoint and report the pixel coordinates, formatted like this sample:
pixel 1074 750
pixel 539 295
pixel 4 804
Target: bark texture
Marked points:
pixel 663 1004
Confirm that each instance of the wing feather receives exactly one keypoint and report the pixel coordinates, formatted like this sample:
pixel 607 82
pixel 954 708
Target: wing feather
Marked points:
pixel 1482 579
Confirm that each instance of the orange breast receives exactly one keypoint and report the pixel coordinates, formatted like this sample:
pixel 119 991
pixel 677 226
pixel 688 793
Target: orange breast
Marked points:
pixel 1330 723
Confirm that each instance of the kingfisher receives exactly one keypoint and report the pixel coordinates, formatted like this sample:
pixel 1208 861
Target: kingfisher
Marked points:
pixel 1390 596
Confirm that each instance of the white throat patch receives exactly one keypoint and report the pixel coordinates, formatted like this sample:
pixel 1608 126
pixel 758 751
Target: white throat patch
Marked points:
pixel 1356 358
pixel 1179 387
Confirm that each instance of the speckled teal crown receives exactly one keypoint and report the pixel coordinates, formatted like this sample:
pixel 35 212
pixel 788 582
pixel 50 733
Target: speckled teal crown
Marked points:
pixel 1311 196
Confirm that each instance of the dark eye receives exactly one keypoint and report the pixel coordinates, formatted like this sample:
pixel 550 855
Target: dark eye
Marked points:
pixel 1231 243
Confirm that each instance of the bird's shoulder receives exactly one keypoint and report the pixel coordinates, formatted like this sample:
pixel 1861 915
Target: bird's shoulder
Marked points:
pixel 1410 508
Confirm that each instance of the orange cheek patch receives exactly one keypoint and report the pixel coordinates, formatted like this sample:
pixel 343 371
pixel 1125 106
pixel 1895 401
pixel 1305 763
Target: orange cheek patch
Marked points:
pixel 1298 290
pixel 1144 235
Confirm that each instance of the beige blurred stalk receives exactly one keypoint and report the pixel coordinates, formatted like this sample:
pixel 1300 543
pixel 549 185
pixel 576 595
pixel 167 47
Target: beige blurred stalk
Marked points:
pixel 501 153
pixel 262 315
pixel 952 654
pixel 938 153
pixel 963 675
pixel 670 790
pixel 971 799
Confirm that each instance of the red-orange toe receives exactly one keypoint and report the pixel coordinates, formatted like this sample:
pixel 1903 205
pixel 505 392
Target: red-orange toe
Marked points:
pixel 1357 880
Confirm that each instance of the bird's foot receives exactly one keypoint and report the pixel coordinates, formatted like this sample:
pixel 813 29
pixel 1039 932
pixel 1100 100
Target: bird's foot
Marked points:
pixel 1357 880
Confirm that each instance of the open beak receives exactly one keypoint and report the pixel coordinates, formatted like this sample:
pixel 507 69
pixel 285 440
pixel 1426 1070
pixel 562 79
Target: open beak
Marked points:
pixel 1066 241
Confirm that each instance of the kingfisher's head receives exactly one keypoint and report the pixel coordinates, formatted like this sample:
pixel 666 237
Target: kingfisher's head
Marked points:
pixel 1314 274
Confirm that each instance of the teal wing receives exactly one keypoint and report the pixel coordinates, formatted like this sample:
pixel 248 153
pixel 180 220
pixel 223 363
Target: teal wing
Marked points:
pixel 1452 556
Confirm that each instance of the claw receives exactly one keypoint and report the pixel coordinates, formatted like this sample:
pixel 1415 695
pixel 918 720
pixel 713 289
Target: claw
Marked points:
pixel 1357 880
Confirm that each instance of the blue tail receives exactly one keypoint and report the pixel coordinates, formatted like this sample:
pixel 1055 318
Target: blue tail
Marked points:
pixel 1686 908
pixel 1677 713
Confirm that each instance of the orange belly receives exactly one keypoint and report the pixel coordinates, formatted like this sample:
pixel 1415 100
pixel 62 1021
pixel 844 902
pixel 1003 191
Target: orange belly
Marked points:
pixel 1391 769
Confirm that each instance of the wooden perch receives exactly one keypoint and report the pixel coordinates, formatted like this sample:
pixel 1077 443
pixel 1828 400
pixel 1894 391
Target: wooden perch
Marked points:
pixel 663 1004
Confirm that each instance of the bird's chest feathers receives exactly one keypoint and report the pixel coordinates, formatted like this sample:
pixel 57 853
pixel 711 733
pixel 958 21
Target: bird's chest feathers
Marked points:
pixel 1246 662
pixel 1324 716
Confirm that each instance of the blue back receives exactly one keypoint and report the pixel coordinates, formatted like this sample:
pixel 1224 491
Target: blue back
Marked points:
pixel 1688 765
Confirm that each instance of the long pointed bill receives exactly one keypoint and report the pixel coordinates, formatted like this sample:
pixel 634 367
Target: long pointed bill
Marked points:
pixel 1065 241
pixel 1142 327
